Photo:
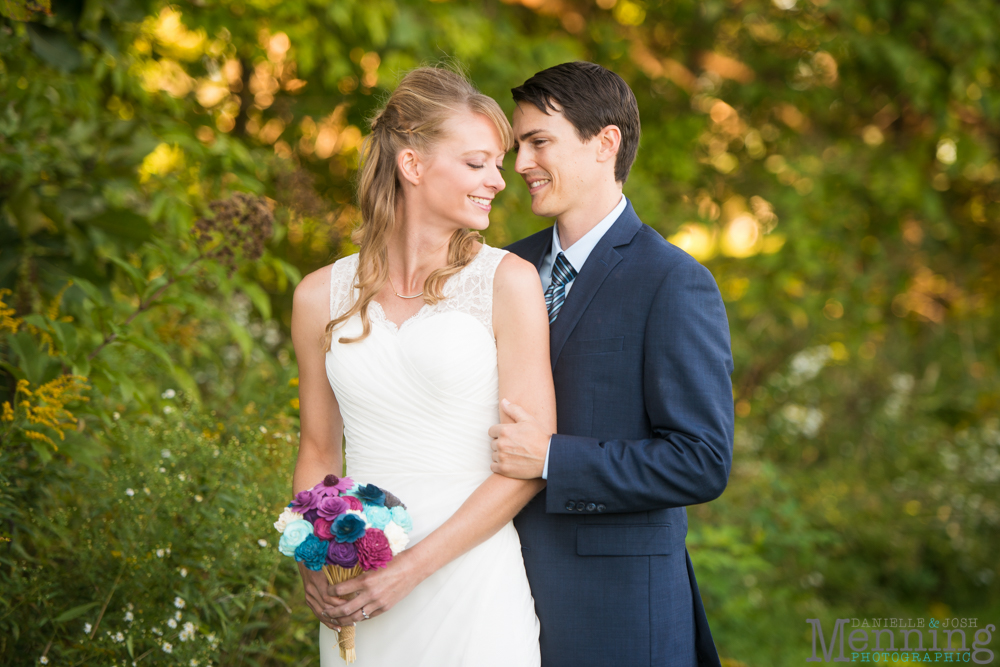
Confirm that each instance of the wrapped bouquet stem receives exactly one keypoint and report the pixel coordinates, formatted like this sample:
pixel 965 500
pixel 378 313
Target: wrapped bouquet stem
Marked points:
pixel 343 529
pixel 336 575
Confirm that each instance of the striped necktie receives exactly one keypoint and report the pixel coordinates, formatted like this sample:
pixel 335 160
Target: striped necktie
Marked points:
pixel 562 273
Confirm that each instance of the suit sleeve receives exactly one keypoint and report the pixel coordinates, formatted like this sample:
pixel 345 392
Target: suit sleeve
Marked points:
pixel 689 402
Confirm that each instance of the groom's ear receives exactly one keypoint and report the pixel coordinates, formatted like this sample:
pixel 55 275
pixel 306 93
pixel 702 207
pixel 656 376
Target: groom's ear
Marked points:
pixel 409 166
pixel 610 140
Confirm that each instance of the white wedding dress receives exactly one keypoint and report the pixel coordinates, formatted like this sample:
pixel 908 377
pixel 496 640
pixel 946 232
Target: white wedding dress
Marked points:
pixel 417 404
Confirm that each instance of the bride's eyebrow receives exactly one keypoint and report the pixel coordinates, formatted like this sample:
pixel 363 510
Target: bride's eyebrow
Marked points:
pixel 482 152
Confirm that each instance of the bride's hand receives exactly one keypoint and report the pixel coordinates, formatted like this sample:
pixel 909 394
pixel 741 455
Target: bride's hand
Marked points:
pixel 377 590
pixel 319 597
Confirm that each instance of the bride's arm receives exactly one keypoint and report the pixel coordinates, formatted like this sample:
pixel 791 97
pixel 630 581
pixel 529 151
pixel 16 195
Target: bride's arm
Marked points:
pixel 521 326
pixel 321 425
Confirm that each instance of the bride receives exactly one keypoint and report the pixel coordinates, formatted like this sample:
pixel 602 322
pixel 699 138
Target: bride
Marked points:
pixel 425 329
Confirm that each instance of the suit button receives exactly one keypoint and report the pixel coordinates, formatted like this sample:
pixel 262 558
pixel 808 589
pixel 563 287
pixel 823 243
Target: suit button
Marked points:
pixel 579 506
pixel 591 507
pixel 570 506
pixel 601 507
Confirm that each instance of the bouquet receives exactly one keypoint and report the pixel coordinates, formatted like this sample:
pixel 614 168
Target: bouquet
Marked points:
pixel 343 529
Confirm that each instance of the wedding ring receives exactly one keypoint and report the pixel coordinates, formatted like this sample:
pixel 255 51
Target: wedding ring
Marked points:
pixel 365 614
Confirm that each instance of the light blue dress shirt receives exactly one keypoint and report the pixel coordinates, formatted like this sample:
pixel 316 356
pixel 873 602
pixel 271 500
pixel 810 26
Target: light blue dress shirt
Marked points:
pixel 577 255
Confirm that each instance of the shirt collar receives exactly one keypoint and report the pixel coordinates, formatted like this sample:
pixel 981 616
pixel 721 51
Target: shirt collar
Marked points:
pixel 578 253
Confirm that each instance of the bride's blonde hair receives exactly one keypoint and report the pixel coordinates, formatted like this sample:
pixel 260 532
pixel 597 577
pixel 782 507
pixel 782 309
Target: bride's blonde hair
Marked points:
pixel 413 117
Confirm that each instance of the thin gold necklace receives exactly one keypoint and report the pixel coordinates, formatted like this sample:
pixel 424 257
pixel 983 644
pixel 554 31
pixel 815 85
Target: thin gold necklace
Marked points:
pixel 403 296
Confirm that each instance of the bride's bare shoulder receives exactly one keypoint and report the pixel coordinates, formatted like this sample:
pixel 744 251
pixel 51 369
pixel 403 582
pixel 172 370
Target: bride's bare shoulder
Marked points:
pixel 515 276
pixel 314 289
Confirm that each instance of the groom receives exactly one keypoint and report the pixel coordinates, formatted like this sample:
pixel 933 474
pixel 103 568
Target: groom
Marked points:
pixel 641 361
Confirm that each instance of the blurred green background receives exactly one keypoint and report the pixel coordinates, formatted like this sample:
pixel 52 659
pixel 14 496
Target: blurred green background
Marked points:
pixel 169 172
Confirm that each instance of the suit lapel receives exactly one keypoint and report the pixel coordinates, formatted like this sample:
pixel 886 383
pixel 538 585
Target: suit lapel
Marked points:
pixel 598 266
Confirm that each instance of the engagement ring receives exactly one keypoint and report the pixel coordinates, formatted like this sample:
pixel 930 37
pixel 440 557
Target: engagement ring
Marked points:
pixel 365 614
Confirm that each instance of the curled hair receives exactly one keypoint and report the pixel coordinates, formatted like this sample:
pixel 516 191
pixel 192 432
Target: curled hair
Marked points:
pixel 413 117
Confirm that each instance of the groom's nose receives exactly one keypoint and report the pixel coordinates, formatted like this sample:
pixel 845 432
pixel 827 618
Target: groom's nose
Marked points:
pixel 525 161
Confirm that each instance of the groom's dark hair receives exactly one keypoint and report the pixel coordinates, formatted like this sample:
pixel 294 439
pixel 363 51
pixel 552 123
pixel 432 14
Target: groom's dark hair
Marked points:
pixel 591 98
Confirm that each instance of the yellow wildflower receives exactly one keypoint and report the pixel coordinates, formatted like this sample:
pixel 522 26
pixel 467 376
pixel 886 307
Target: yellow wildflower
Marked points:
pixel 8 412
pixel 7 314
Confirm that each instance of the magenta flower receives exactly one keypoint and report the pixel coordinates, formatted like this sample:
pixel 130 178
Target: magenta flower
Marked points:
pixel 353 503
pixel 322 529
pixel 373 549
pixel 331 507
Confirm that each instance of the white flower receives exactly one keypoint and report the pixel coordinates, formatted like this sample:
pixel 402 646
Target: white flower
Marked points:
pixel 129 617
pixel 262 543
pixel 160 553
pixel 162 469
pixel 129 492
pixel 168 394
pixel 263 429
pixel 179 602
pixel 87 627
pixel 167 409
pixel 165 453
pixel 43 660
pixel 116 416
pixel 119 637
pixel 182 477
pixel 194 663
pixel 167 647
pixel 177 615
pixel 145 490
pixel 198 498
pixel 171 623
pixel 287 516
pixel 398 539
pixel 187 633
pixel 156 631
pixel 215 453
pixel 184 572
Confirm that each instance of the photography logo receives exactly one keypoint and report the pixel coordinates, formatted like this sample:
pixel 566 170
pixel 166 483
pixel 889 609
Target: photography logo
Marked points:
pixel 906 640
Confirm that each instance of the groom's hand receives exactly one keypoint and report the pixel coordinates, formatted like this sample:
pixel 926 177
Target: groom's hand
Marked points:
pixel 519 449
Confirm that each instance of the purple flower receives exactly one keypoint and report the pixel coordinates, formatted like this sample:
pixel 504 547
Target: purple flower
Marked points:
pixel 312 553
pixel 348 527
pixel 331 507
pixel 311 516
pixel 353 503
pixel 344 554
pixel 334 486
pixel 321 529
pixel 373 549
pixel 305 501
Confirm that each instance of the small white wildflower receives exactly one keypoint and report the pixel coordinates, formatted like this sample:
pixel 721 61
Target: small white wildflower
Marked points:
pixel 171 623
pixel 165 453
pixel 160 553
pixel 184 572
pixel 43 660
pixel 198 498
pixel 194 663
pixel 129 606
pixel 168 394
pixel 167 409
pixel 262 542
pixel 215 453
pixel 162 469
pixel 129 617
pixel 168 551
pixel 116 416
pixel 179 602
pixel 187 634
pixel 263 429
pixel 87 627
pixel 129 492
pixel 177 615
pixel 168 647
pixel 145 490
pixel 119 637
pixel 182 477
pixel 156 631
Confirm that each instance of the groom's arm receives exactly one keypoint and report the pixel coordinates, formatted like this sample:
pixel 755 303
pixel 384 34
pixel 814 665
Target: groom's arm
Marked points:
pixel 689 402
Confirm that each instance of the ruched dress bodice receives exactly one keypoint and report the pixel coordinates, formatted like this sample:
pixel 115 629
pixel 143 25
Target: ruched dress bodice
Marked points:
pixel 417 403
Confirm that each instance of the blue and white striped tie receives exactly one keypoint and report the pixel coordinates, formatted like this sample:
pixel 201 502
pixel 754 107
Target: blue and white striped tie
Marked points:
pixel 562 273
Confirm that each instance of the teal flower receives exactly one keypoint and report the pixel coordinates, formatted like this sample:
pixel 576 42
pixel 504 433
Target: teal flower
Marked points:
pixel 402 517
pixel 295 533
pixel 377 516
pixel 312 552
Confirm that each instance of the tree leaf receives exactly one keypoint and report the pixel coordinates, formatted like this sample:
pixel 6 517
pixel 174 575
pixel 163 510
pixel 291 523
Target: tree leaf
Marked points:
pixel 138 280
pixel 123 223
pixel 54 47
pixel 75 612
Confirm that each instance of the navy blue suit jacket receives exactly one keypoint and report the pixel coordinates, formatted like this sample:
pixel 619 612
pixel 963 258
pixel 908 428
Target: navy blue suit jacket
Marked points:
pixel 641 361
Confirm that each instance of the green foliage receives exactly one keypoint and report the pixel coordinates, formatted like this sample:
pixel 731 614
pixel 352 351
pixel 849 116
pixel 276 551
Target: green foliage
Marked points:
pixel 834 163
